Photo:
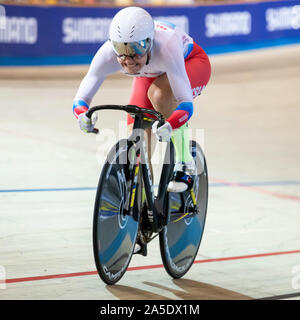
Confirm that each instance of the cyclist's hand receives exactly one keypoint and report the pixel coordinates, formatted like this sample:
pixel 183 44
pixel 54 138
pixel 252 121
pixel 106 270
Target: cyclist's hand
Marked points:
pixel 86 124
pixel 162 133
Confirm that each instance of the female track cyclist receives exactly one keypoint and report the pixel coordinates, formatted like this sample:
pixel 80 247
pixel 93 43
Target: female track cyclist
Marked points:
pixel 169 70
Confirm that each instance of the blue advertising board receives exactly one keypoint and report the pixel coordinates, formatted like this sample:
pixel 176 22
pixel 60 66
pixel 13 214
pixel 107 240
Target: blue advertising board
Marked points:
pixel 68 35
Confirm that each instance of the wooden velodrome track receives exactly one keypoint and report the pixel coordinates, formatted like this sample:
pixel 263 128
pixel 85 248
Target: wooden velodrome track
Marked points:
pixel 248 121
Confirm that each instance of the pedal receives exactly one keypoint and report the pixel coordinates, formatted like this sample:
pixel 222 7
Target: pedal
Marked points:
pixel 140 249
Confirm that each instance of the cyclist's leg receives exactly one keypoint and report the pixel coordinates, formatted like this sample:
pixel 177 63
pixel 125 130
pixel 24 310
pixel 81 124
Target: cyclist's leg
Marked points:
pixel 198 69
pixel 140 98
pixel 160 94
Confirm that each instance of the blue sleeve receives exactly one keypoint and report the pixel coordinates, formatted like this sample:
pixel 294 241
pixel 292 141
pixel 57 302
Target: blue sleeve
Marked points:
pixel 186 106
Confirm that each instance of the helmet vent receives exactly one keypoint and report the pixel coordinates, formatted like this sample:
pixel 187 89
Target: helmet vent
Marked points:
pixel 132 31
pixel 119 32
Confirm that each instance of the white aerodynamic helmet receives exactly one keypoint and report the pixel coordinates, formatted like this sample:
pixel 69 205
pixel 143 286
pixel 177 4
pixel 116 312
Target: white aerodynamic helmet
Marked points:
pixel 131 32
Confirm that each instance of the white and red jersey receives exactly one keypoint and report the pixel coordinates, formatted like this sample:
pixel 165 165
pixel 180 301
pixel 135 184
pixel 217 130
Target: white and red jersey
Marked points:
pixel 170 47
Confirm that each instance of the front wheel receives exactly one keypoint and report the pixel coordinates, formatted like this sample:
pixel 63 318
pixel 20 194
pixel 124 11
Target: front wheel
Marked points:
pixel 180 239
pixel 114 230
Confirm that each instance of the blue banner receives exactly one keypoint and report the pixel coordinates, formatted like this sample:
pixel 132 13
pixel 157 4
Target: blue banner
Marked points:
pixel 67 35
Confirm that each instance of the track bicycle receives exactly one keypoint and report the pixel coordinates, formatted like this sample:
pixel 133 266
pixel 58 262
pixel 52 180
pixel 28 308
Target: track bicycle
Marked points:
pixel 127 211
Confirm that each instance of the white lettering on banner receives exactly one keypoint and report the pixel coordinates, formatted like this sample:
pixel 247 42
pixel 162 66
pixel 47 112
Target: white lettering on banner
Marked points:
pixel 85 30
pixel 2 18
pixel 228 24
pixel 19 30
pixel 283 18
pixel 95 30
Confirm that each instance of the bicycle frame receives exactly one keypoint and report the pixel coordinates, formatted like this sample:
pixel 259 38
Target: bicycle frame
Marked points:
pixel 156 206
pixel 139 161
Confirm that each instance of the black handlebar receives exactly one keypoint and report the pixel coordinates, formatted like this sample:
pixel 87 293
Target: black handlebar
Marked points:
pixel 128 108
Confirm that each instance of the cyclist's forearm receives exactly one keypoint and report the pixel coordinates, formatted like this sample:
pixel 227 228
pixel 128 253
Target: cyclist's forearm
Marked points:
pixel 88 88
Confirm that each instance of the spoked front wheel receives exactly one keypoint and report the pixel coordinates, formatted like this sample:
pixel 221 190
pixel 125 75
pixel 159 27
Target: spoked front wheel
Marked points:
pixel 180 239
pixel 114 230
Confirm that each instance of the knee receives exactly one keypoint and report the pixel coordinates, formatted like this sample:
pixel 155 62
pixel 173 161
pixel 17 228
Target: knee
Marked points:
pixel 156 96
pixel 162 101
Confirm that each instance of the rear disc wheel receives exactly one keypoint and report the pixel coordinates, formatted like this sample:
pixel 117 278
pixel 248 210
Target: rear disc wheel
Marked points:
pixel 181 237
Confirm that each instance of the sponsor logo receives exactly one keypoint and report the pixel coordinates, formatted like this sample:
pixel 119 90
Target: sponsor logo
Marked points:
pixel 183 118
pixel 114 276
pixel 85 30
pixel 150 216
pixel 197 91
pixel 23 30
pixel 172 21
pixel 283 18
pixel 228 24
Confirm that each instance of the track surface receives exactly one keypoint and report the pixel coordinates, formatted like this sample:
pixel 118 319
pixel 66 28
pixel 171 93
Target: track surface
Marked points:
pixel 247 120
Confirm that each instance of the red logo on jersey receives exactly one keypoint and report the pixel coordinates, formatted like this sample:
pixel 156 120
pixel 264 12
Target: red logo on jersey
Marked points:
pixel 161 27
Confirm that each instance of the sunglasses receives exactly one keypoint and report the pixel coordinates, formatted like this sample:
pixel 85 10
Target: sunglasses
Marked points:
pixel 136 49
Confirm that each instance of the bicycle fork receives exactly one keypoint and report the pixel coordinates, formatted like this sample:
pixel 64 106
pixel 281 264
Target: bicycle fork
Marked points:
pixel 193 197
pixel 134 167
